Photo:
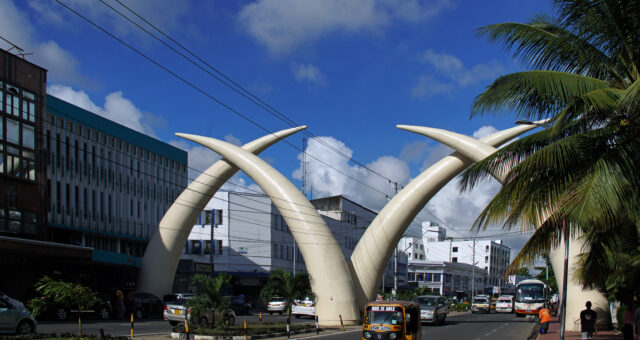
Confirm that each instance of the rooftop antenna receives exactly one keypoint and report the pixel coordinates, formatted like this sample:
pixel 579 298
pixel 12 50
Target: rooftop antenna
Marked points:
pixel 19 51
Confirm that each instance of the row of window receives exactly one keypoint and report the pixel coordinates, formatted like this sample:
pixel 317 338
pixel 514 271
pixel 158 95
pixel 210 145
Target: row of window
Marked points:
pixel 121 149
pixel 202 247
pixel 285 252
pixel 17 132
pixel 18 221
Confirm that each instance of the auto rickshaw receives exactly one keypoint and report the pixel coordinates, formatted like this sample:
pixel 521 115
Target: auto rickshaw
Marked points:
pixel 392 320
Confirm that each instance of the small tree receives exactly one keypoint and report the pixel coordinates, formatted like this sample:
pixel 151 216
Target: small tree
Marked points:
pixel 58 292
pixel 209 296
pixel 282 283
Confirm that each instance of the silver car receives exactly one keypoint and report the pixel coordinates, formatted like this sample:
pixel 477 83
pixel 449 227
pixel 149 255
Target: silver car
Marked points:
pixel 14 318
pixel 433 309
pixel 175 312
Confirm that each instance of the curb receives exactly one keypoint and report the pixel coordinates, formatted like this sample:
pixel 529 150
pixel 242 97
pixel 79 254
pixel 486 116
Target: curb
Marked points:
pixel 175 335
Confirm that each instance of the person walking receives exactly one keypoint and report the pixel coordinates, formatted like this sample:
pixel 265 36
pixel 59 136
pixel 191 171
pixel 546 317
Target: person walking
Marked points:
pixel 636 319
pixel 545 318
pixel 628 321
pixel 588 322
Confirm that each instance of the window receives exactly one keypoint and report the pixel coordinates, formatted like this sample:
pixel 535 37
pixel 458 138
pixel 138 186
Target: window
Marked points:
pixel 486 259
pixel 454 259
pixel 455 249
pixel 196 247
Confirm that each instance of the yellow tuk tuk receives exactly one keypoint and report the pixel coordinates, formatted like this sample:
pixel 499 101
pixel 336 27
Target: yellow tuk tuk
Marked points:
pixel 392 320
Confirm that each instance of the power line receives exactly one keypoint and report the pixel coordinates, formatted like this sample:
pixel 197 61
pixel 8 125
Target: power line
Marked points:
pixel 236 87
pixel 208 95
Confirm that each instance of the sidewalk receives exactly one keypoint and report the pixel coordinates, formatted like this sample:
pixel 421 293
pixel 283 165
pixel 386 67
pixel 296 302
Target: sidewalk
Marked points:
pixel 554 333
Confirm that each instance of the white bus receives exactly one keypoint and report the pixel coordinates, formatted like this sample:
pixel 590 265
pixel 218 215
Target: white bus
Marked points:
pixel 530 295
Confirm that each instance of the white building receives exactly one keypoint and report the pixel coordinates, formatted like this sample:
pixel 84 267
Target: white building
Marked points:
pixel 446 278
pixel 490 257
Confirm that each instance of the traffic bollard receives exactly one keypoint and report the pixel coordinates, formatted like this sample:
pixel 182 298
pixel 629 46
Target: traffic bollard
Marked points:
pixel 131 325
pixel 288 329
pixel 101 334
pixel 260 317
pixel 317 328
pixel 341 324
pixel 245 329
pixel 186 326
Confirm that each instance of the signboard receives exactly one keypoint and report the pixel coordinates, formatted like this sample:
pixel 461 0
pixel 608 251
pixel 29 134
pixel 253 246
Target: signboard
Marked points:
pixel 243 250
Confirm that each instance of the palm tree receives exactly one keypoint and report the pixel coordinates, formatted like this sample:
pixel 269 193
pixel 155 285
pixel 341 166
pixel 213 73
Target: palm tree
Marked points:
pixel 290 287
pixel 580 173
pixel 58 292
pixel 210 299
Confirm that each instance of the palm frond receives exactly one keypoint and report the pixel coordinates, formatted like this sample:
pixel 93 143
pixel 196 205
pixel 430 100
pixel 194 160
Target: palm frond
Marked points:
pixel 544 43
pixel 534 94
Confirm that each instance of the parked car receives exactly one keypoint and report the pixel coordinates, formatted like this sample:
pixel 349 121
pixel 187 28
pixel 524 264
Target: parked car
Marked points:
pixel 305 307
pixel 176 296
pixel 144 305
pixel 433 309
pixel 277 305
pixel 504 304
pixel 102 310
pixel 240 305
pixel 14 318
pixel 176 312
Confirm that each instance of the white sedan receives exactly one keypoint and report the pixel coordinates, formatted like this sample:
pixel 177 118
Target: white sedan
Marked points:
pixel 304 307
pixel 504 305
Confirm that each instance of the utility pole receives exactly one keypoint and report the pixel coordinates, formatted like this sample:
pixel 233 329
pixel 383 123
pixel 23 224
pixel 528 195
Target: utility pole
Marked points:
pixel 473 263
pixel 395 274
pixel 294 255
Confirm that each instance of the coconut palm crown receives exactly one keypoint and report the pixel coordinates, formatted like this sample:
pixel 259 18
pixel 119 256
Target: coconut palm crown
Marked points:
pixel 581 172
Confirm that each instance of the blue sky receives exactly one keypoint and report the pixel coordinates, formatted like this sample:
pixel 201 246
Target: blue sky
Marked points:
pixel 349 69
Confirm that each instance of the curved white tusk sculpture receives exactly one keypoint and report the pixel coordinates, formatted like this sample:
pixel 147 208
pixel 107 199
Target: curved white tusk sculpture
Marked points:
pixel 330 278
pixel 576 295
pixel 376 245
pixel 162 255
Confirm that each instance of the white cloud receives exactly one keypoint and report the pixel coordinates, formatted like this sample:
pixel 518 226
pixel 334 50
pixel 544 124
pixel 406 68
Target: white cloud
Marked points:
pixel 116 107
pixel 168 15
pixel 284 25
pixel 17 28
pixel 451 73
pixel 429 86
pixel 308 73
pixel 331 174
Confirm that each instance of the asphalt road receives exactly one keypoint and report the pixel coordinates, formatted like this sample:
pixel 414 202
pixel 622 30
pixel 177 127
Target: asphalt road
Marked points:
pixel 458 327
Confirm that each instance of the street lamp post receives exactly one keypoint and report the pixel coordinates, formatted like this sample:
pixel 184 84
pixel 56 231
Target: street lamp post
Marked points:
pixel 565 279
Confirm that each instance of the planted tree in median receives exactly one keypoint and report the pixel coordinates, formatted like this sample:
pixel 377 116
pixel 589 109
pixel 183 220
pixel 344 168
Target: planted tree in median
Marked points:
pixel 290 287
pixel 210 300
pixel 58 292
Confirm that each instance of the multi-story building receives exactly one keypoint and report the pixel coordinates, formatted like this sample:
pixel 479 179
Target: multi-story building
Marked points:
pixel 251 238
pixel 80 195
pixel 491 256
pixel 22 173
pixel 447 278
pixel 107 186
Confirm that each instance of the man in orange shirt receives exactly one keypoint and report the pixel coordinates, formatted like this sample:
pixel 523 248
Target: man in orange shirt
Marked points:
pixel 545 317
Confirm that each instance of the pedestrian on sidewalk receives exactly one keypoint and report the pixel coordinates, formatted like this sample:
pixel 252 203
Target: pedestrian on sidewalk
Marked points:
pixel 588 322
pixel 545 318
pixel 628 321
pixel 636 319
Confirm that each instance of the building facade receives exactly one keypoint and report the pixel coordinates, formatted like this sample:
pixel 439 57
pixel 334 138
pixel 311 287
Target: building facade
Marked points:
pixel 80 195
pixel 447 278
pixel 490 255
pixel 107 186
